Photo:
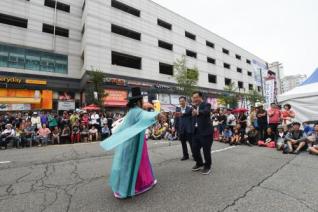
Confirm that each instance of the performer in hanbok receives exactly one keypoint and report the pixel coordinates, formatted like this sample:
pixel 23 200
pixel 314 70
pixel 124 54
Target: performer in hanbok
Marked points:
pixel 131 172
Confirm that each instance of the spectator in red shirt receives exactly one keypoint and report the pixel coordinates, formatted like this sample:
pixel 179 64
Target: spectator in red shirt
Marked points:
pixel 274 116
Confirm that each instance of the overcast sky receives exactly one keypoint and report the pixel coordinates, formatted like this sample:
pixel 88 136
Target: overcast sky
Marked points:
pixel 274 30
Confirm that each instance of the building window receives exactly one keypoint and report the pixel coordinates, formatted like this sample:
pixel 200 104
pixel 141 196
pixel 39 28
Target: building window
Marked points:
pixel 212 78
pixel 249 73
pixel 259 88
pixel 226 65
pixel 239 70
pixel 165 69
pixel 58 30
pixel 227 81
pixel 248 61
pixel 210 44
pixel 191 54
pixel 225 51
pixel 126 8
pixel 165 45
pixel 30 59
pixel 126 32
pixel 126 60
pixel 14 21
pixel 238 57
pixel 59 5
pixel 190 35
pixel 240 84
pixel 164 24
pixel 250 87
pixel 210 60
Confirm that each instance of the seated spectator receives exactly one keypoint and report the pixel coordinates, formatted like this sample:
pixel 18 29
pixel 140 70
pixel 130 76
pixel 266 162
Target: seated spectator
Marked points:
pixel 313 140
pixel 171 134
pixel 105 131
pixel 226 135
pixel 84 133
pixel 236 137
pixel 308 129
pixel 252 135
pixel 93 134
pixel 6 136
pixel 269 139
pixel 65 135
pixel 43 135
pixel 280 141
pixel 76 133
pixel 295 139
pixel 28 135
pixel 56 135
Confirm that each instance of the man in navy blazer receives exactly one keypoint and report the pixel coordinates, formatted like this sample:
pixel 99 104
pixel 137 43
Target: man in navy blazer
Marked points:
pixel 183 126
pixel 202 133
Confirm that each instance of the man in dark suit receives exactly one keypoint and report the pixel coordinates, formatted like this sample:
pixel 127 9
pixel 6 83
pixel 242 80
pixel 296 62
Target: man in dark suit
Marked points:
pixel 183 126
pixel 202 133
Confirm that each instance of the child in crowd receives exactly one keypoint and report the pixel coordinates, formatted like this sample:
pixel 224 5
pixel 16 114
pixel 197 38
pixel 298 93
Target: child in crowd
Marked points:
pixel 280 138
pixel 236 138
pixel 105 131
pixel 226 135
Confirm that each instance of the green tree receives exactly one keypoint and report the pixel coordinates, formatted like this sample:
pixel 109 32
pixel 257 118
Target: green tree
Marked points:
pixel 95 85
pixel 230 96
pixel 254 96
pixel 187 78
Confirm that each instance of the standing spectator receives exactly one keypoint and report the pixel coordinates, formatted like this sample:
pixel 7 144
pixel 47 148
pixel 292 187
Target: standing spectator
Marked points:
pixel 44 118
pixel 56 135
pixel 43 135
pixel 261 121
pixel 73 118
pixel 85 119
pixel 274 116
pixel 242 120
pixel 36 120
pixel 103 120
pixel 183 126
pixel 295 139
pixel 52 121
pixel 110 122
pixel 287 115
pixel 231 120
pixel 95 120
pixel 222 121
pixel 253 117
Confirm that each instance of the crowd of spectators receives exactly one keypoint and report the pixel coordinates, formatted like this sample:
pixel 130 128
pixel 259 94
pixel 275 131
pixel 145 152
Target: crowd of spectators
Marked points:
pixel 42 128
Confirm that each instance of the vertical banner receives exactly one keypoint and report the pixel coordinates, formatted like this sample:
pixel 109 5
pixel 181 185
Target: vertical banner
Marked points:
pixel 269 91
pixel 260 72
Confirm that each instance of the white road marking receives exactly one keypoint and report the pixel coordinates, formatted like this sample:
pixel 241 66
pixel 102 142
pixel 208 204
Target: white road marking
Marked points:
pixel 4 162
pixel 222 150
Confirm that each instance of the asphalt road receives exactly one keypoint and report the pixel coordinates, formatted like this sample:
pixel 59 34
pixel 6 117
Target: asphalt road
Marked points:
pixel 74 178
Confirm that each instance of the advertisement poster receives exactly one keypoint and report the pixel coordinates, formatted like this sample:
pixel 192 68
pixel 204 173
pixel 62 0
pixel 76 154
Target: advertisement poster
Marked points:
pixel 66 96
pixel 164 98
pixel 66 105
pixel 15 107
pixel 116 98
pixel 213 102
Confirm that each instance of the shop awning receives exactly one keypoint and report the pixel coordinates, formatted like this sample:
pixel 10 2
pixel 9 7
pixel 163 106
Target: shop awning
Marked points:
pixel 21 100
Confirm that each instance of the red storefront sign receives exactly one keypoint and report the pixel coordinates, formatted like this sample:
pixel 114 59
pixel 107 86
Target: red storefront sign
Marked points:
pixel 115 98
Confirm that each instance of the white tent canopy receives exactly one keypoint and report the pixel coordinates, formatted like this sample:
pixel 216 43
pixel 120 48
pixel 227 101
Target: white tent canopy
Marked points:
pixel 303 99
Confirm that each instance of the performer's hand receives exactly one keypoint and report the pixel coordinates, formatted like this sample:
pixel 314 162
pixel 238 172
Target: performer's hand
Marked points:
pixel 195 112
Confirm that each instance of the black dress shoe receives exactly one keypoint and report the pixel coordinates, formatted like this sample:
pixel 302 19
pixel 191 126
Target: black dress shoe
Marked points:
pixel 197 168
pixel 184 158
pixel 206 171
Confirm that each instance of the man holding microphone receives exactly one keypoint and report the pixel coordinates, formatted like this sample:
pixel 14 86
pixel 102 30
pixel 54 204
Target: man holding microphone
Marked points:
pixel 202 133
